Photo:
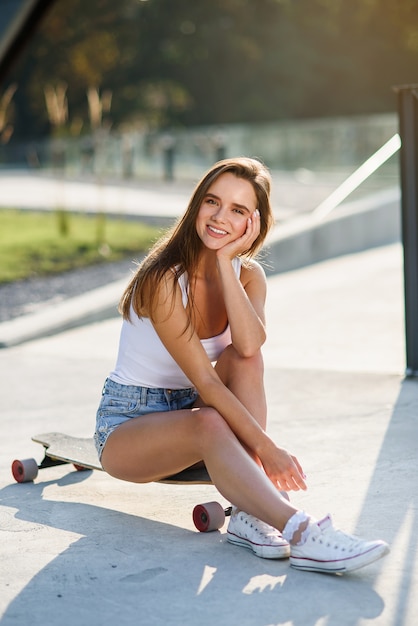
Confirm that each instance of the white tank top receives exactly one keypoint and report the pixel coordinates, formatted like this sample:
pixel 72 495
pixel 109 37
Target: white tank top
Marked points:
pixel 144 361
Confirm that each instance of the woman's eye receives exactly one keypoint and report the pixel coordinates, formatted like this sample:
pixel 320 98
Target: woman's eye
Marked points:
pixel 239 211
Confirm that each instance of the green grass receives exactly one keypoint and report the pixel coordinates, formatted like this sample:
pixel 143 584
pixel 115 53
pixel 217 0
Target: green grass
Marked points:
pixel 42 243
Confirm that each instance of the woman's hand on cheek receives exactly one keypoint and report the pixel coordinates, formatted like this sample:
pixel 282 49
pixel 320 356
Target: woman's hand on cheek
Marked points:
pixel 243 243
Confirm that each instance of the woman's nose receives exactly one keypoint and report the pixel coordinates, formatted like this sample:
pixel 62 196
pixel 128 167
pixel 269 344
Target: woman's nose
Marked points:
pixel 219 214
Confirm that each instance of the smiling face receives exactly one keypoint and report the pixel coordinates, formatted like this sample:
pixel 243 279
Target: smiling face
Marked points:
pixel 224 211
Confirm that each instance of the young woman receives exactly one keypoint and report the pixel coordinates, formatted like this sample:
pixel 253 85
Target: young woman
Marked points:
pixel 188 383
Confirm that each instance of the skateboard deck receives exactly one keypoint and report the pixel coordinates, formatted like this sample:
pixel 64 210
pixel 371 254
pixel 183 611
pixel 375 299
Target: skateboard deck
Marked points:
pixel 81 452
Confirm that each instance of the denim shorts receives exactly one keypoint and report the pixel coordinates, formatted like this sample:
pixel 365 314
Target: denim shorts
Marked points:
pixel 120 403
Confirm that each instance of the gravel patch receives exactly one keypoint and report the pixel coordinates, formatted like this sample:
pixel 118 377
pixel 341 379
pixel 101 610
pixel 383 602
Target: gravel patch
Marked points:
pixel 29 295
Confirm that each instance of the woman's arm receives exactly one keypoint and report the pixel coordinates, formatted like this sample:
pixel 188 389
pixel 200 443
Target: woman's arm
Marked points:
pixel 170 320
pixel 244 299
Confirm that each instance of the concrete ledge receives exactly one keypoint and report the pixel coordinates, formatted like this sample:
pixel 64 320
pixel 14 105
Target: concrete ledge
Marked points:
pixel 353 227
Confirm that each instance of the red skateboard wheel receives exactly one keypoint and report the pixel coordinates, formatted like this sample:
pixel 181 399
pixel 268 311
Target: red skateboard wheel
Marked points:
pixel 209 516
pixel 24 471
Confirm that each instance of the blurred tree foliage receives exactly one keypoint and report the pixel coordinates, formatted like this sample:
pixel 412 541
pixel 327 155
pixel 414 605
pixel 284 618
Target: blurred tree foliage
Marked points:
pixel 182 62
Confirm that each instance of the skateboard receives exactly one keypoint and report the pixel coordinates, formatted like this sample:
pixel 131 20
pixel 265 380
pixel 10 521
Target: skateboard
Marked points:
pixel 60 449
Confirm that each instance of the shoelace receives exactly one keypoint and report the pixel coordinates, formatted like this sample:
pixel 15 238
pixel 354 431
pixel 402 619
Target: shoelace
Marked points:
pixel 337 539
pixel 261 527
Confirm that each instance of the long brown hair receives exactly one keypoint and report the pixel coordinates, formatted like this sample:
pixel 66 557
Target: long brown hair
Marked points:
pixel 178 250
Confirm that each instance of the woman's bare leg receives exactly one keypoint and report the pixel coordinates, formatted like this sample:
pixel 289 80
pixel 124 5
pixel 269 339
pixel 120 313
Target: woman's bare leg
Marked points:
pixel 153 446
pixel 244 376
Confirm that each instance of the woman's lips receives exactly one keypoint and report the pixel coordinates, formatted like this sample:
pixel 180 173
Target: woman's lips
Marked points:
pixel 216 232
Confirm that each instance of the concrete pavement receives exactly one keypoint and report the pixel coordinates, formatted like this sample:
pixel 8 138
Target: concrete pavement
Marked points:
pixel 83 548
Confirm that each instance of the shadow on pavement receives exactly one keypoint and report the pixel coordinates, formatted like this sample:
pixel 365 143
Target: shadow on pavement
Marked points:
pixel 395 477
pixel 125 569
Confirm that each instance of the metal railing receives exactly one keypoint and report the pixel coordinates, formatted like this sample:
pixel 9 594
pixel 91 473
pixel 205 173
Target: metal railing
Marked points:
pixel 361 174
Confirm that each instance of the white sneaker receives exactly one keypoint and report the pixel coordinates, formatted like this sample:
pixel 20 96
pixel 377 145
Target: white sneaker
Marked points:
pixel 264 540
pixel 330 550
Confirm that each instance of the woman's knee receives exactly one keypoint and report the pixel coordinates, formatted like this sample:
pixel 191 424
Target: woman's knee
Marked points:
pixel 211 426
pixel 231 362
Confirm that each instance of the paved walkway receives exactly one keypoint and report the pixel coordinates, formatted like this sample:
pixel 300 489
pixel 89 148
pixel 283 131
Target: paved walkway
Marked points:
pixel 83 548
pixel 293 193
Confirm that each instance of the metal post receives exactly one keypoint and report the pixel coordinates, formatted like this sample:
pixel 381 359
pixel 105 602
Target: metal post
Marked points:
pixel 408 130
